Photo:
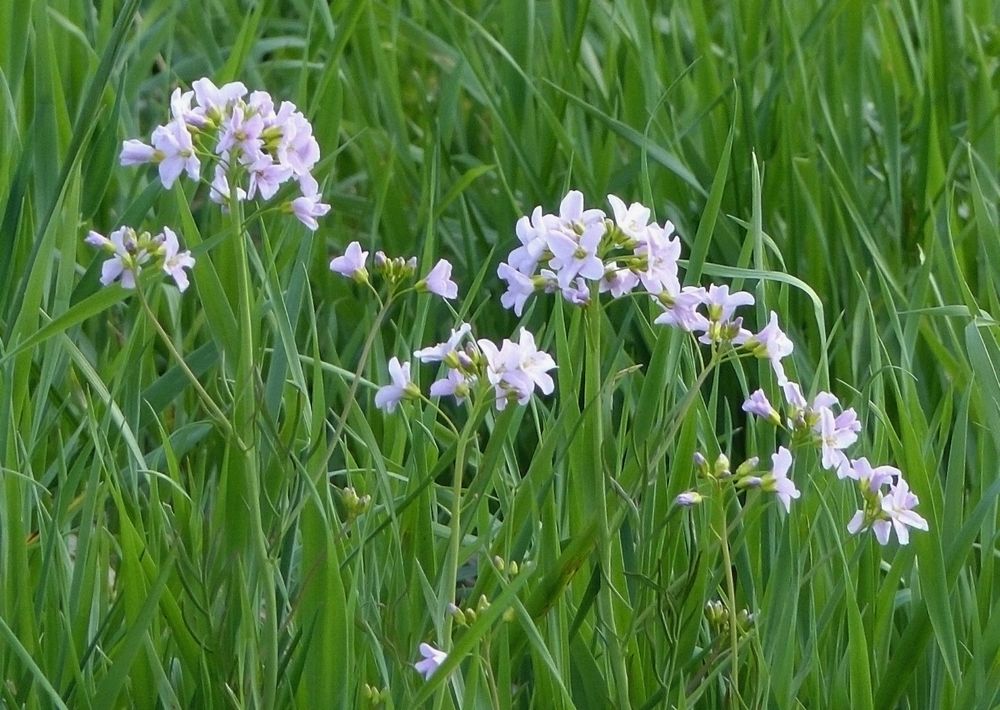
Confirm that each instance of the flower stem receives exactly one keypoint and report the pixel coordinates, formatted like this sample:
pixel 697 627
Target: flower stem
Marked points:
pixel 723 534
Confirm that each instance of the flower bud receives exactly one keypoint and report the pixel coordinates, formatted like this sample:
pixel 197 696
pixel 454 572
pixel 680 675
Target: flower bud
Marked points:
pixel 748 466
pixel 688 499
pixel 721 468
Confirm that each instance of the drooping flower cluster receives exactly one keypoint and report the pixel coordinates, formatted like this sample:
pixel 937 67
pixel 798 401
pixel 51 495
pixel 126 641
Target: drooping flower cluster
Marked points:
pixel 397 272
pixel 130 252
pixel 512 371
pixel 577 248
pixel 253 147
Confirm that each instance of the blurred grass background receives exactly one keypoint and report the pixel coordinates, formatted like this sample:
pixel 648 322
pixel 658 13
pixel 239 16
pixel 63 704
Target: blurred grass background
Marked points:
pixel 875 131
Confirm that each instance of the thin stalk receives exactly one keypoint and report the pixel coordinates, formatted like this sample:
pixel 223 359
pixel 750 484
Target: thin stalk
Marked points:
pixel 593 431
pixel 244 415
pixel 723 534
pixel 203 395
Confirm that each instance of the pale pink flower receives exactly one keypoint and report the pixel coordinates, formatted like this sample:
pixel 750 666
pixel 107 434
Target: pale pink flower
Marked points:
pixel 175 260
pixel 352 263
pixel 175 153
pixel 757 403
pixel 136 153
pixel 778 482
pixel 389 396
pixel 443 351
pixel 632 220
pixel 433 658
pixel 439 282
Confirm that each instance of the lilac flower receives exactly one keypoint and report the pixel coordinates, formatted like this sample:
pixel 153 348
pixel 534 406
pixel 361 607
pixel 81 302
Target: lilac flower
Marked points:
pixel 532 232
pixel 439 282
pixel 572 215
pixel 632 220
pixel 212 100
pixel 220 191
pixel 175 153
pixel 352 263
pixel 307 208
pixel 265 177
pixel 836 434
pixel 455 383
pixel 175 260
pixel 136 153
pixel 389 396
pixel 895 512
pixel 617 280
pixel 297 147
pixel 681 309
pixel 180 109
pixel 773 344
pixel 758 404
pixel 433 659
pixel 778 482
pixel 577 293
pixel 241 135
pixel 446 351
pixel 659 255
pixel 872 477
pixel 576 257
pixel 515 370
pixel 722 307
pixel 519 287
pixel 127 256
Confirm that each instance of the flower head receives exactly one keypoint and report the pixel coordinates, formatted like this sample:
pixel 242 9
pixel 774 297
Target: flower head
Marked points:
pixel 757 403
pixel 773 344
pixel 439 282
pixel 352 263
pixel 389 396
pixel 433 658
pixel 778 482
pixel 893 513
pixel 175 260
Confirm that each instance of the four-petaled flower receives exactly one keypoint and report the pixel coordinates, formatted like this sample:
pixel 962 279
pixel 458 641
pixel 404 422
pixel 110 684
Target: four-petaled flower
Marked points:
pixel 389 396
pixel 439 282
pixel 352 263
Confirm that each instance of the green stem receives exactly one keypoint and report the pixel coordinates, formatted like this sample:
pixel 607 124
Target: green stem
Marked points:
pixel 206 398
pixel 593 432
pixel 723 535
pixel 244 415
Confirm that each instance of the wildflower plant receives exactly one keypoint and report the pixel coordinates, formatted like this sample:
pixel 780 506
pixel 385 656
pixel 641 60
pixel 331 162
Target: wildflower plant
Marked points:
pixel 320 386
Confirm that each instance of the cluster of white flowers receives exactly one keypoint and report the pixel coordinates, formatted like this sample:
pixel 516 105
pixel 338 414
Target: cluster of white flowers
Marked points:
pixel 888 502
pixel 130 252
pixel 512 370
pixel 578 247
pixel 398 271
pixel 571 251
pixel 255 147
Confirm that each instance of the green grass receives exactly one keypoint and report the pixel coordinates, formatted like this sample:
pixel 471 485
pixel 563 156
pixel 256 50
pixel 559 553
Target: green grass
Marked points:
pixel 838 159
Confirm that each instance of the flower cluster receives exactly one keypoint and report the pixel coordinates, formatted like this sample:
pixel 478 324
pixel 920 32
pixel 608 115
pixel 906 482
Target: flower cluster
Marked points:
pixel 888 502
pixel 353 264
pixel 255 147
pixel 578 248
pixel 130 252
pixel 512 370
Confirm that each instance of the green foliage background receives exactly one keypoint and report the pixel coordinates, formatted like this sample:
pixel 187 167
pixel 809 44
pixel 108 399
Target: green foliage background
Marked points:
pixel 851 145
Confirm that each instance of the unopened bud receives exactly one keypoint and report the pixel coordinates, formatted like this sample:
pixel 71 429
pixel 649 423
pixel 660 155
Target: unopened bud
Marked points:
pixel 747 466
pixel 688 499
pixel 721 468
